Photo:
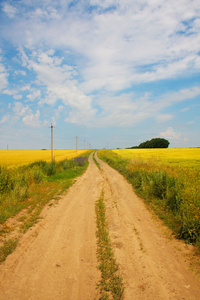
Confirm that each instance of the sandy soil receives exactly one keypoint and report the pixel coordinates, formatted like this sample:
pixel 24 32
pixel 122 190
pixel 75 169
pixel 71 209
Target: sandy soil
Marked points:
pixel 56 259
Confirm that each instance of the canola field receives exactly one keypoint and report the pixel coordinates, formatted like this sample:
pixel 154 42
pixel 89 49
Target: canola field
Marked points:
pixel 16 158
pixel 183 157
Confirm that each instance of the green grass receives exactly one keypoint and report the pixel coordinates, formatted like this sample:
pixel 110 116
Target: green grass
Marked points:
pixel 96 162
pixel 111 283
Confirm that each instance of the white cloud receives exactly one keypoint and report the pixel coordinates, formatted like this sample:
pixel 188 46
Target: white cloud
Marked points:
pixel 9 10
pixel 172 98
pixel 170 134
pixel 25 88
pixel 3 75
pixel 17 97
pixel 123 43
pixel 32 120
pixel 164 117
pixel 58 80
pixel 185 109
pixel 4 119
pixel 20 72
pixel 27 115
pixel 105 50
pixel 20 110
pixel 33 95
pixel 128 109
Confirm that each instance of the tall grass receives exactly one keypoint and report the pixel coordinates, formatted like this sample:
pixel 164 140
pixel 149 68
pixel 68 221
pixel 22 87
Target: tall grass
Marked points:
pixel 173 192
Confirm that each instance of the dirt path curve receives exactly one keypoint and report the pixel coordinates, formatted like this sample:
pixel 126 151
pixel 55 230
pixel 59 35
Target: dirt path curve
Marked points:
pixel 57 258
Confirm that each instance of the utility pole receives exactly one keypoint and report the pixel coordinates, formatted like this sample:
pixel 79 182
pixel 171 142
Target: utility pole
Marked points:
pixel 76 144
pixel 52 141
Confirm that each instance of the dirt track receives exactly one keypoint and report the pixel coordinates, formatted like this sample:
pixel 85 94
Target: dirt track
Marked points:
pixel 57 258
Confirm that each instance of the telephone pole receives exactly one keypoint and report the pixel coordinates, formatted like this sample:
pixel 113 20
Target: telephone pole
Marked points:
pixel 52 141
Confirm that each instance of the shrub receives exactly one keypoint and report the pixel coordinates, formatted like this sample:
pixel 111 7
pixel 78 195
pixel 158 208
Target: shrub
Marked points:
pixel 37 176
pixel 68 164
pixel 50 168
pixel 80 160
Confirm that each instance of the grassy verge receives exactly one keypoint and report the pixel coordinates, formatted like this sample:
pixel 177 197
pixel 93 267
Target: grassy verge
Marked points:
pixel 174 193
pixel 28 189
pixel 8 247
pixel 111 283
pixel 96 162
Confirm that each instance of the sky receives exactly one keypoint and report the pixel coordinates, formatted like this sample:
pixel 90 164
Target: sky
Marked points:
pixel 113 73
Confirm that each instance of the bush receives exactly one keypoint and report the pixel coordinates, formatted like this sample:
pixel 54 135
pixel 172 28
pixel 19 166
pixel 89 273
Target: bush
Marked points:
pixel 37 176
pixel 68 164
pixel 80 160
pixel 50 168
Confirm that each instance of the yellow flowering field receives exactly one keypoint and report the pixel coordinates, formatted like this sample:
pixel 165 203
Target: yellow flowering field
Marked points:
pixel 15 158
pixel 184 157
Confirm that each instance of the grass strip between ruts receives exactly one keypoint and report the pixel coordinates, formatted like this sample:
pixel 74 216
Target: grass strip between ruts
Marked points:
pixel 111 282
pixel 96 162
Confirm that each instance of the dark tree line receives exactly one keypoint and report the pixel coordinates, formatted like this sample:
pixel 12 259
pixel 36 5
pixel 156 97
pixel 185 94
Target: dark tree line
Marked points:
pixel 154 143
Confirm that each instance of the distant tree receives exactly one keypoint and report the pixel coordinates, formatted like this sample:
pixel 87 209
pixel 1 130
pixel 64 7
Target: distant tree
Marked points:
pixel 155 143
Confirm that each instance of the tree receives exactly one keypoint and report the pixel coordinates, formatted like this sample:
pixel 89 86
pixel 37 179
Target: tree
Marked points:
pixel 155 143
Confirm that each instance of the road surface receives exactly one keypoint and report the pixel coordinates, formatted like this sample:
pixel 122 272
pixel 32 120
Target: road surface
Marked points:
pixel 56 259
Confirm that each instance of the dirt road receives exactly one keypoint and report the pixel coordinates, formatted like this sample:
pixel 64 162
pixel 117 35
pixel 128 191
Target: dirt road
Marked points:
pixel 56 259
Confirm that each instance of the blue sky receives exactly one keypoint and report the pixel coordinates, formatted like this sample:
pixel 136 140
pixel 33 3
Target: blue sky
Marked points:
pixel 114 73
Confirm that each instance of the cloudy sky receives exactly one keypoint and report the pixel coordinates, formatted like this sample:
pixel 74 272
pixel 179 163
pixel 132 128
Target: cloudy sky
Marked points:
pixel 114 73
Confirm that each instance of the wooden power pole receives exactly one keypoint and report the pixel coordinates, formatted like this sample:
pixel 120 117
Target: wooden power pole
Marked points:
pixel 51 142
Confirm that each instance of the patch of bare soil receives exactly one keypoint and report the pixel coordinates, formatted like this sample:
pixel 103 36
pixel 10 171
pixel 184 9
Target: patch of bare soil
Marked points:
pixel 56 259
